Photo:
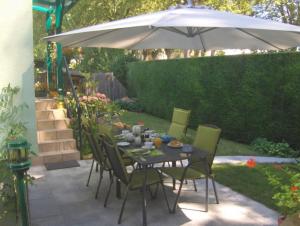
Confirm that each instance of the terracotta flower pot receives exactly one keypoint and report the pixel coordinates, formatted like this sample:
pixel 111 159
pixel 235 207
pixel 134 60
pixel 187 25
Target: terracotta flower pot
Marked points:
pixel 290 220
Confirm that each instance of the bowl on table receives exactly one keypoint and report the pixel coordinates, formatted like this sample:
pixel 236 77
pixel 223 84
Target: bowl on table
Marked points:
pixel 166 138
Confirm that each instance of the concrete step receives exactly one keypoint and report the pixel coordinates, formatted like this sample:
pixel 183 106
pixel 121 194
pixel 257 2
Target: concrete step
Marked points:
pixel 55 156
pixel 53 124
pixel 44 104
pixel 55 139
pixel 51 114
pixel 54 134
pixel 57 145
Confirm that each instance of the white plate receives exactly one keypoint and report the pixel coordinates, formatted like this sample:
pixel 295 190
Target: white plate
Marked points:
pixel 123 144
pixel 144 147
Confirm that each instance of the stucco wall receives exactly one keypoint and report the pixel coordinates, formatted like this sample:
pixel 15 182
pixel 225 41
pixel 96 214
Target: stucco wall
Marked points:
pixel 16 56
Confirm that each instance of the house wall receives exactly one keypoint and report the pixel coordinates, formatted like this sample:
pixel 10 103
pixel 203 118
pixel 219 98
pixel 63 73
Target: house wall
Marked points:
pixel 16 56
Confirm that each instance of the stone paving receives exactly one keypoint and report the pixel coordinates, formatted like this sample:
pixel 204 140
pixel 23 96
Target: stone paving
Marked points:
pixel 60 198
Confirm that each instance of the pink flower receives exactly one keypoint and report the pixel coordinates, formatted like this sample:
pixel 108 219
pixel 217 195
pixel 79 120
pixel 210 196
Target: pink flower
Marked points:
pixel 101 95
pixel 84 98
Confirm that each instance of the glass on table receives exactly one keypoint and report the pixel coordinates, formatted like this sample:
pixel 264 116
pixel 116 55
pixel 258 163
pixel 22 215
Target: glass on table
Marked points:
pixel 157 142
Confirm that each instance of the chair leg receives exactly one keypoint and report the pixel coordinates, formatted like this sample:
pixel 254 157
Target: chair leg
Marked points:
pixel 108 192
pixel 206 193
pixel 99 183
pixel 97 167
pixel 195 186
pixel 123 205
pixel 215 190
pixel 92 166
pixel 153 195
pixel 176 199
pixel 182 166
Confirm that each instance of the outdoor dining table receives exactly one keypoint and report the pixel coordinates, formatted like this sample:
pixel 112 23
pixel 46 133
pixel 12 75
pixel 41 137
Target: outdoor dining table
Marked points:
pixel 164 153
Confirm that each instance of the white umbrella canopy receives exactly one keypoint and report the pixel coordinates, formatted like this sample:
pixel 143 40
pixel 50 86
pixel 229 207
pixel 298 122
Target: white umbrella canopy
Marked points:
pixel 185 28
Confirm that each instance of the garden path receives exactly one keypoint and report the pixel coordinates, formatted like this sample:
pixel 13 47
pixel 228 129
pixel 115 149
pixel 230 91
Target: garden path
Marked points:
pixel 258 159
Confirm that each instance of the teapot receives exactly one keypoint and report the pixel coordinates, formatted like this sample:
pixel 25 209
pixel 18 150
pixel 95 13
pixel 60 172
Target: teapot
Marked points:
pixel 137 141
pixel 136 130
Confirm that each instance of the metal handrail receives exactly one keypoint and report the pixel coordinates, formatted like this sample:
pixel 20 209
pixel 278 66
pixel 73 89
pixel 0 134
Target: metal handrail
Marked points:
pixel 79 111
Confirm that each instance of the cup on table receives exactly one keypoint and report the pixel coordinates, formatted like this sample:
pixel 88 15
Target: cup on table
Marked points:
pixel 148 144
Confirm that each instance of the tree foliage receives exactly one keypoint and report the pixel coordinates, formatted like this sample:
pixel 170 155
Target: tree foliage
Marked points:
pixel 286 11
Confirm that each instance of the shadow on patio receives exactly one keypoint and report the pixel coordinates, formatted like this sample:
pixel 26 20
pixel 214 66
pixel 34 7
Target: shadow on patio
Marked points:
pixel 61 198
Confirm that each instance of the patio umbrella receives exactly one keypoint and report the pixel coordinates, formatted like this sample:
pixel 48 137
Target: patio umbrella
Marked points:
pixel 185 27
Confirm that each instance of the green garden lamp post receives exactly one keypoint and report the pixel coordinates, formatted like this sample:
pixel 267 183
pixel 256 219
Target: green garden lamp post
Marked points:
pixel 19 163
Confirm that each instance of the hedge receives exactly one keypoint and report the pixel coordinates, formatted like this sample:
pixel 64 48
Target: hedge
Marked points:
pixel 248 96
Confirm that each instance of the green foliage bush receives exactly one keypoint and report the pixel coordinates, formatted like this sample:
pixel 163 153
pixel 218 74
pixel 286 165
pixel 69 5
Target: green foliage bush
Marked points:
pixel 119 67
pixel 130 105
pixel 248 96
pixel 281 149
pixel 287 189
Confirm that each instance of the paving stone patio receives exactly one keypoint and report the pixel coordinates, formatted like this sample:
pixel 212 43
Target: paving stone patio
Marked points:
pixel 61 198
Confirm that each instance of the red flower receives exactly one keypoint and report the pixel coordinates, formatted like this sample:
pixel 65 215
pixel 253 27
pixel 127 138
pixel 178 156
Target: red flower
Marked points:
pixel 141 123
pixel 294 188
pixel 251 163
pixel 277 166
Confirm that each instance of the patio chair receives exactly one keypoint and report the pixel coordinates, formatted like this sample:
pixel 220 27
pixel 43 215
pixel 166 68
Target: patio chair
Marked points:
pixel 179 123
pixel 99 156
pixel 133 180
pixel 96 146
pixel 207 139
pixel 178 127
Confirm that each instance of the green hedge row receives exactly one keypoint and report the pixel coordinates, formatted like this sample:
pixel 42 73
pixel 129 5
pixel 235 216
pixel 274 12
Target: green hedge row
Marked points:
pixel 248 96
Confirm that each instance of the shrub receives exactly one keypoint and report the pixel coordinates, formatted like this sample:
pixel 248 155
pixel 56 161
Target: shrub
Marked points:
pixel 120 67
pixel 247 95
pixel 264 146
pixel 287 196
pixel 129 104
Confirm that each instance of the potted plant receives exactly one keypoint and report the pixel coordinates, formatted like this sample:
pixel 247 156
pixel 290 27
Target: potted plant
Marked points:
pixel 287 196
pixel 11 128
pixel 40 89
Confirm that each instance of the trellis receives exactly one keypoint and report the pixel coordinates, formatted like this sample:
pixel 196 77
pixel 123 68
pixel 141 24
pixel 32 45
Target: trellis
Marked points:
pixel 54 10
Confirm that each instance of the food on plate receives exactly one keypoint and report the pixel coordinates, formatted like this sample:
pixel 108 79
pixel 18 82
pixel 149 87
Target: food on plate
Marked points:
pixel 175 143
pixel 121 125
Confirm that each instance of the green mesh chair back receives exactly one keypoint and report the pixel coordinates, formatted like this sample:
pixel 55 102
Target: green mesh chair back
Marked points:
pixel 207 139
pixel 106 130
pixel 88 135
pixel 179 122
pixel 99 144
pixel 115 160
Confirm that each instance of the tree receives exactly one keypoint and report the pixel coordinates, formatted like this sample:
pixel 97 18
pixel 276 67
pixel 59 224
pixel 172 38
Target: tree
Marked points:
pixel 286 11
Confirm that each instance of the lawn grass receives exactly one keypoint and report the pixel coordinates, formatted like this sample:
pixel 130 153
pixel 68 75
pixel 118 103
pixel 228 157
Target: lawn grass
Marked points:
pixel 226 147
pixel 251 182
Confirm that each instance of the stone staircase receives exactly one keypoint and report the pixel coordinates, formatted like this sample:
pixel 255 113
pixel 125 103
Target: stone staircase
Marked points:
pixel 55 139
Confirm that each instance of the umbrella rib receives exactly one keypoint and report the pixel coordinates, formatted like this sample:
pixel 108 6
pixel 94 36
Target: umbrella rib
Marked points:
pixel 207 30
pixel 143 38
pixel 254 36
pixel 201 39
pixel 90 38
pixel 172 29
